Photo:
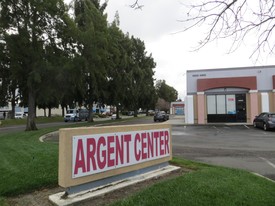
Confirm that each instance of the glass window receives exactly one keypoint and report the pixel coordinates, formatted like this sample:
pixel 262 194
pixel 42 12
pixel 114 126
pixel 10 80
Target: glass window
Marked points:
pixel 220 104
pixel 211 104
pixel 231 104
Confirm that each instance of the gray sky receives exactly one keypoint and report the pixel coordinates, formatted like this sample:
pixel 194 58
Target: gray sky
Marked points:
pixel 157 23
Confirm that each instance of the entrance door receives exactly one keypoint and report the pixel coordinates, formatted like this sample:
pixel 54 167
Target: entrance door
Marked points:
pixel 241 107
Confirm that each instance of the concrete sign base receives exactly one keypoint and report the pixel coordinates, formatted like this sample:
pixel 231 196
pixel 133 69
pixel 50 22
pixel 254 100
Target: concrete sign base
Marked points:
pixel 58 199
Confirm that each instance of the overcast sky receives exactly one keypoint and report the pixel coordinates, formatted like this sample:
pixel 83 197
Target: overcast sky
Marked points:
pixel 157 23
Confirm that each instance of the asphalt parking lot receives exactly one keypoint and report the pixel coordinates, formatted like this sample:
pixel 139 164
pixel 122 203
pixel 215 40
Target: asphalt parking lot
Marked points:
pixel 237 146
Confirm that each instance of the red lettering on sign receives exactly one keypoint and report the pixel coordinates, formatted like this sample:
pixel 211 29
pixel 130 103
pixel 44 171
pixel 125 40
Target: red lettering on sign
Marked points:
pixel 111 150
pixel 156 137
pixel 137 151
pixel 91 148
pixel 150 145
pixel 162 143
pixel 80 160
pixel 167 138
pixel 143 146
pixel 127 140
pixel 101 153
pixel 119 150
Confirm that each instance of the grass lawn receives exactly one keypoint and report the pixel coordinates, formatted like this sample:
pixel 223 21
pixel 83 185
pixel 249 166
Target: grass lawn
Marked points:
pixel 27 164
pixel 38 120
pixel 10 122
pixel 208 185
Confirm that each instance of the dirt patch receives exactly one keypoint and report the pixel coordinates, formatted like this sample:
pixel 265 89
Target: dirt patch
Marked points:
pixel 40 198
pixel 50 137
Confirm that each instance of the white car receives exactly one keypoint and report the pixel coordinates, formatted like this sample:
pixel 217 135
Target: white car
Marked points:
pixel 113 117
pixel 19 115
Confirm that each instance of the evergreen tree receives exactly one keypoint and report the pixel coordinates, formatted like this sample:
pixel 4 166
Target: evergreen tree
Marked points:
pixel 165 91
pixel 140 76
pixel 92 41
pixel 34 24
pixel 118 63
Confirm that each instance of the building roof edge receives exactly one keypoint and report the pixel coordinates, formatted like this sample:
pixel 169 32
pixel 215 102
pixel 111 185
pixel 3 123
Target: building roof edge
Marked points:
pixel 232 68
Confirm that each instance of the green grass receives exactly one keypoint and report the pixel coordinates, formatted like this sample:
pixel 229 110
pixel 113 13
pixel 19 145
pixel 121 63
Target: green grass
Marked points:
pixel 208 185
pixel 27 164
pixel 10 122
pixel 38 120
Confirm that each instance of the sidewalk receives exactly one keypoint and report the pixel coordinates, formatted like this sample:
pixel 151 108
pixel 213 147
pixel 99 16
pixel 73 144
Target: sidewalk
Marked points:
pixel 176 120
pixel 180 120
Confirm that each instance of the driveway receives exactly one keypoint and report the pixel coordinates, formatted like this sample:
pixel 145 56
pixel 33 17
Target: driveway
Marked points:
pixel 237 146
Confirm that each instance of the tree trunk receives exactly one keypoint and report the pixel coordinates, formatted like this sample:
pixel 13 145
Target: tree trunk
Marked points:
pixel 50 112
pixel 31 112
pixel 135 113
pixel 117 112
pixel 63 110
pixel 90 117
pixel 13 105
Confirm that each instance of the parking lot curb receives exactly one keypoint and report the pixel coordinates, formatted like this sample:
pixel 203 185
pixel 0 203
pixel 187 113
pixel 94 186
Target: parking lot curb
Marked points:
pixel 41 139
pixel 259 175
pixel 213 124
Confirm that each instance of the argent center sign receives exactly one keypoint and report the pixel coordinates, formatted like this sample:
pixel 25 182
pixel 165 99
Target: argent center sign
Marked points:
pixel 102 152
pixel 88 154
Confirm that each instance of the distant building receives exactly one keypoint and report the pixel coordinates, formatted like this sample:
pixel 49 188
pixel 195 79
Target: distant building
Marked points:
pixel 42 112
pixel 4 112
pixel 177 108
pixel 230 94
pixel 39 112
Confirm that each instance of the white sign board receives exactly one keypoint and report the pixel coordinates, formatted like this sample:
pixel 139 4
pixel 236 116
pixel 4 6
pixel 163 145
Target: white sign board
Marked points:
pixel 102 152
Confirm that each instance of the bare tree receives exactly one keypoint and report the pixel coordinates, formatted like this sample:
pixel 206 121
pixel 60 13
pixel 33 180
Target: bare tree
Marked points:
pixel 237 20
pixel 233 19
pixel 136 5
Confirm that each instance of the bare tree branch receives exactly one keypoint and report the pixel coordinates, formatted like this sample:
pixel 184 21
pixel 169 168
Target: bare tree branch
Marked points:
pixel 136 5
pixel 237 20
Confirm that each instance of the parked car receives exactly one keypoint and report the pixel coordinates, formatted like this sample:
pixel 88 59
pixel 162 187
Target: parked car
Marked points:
pixel 151 112
pixel 130 113
pixel 265 120
pixel 113 117
pixel 161 116
pixel 2 116
pixel 19 115
pixel 76 115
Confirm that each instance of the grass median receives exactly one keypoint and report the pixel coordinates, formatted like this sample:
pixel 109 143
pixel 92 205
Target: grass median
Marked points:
pixel 207 185
pixel 12 122
pixel 26 165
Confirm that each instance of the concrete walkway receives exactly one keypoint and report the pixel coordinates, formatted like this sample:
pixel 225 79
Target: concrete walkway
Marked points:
pixel 176 120
pixel 180 120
